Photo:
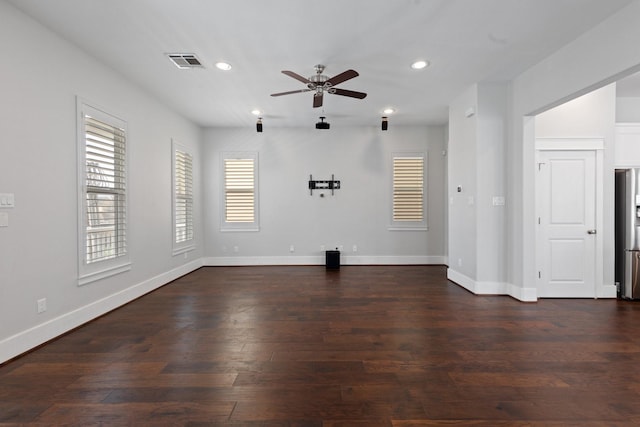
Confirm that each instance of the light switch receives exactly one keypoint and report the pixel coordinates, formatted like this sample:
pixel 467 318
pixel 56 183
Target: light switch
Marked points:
pixel 4 219
pixel 7 200
pixel 498 201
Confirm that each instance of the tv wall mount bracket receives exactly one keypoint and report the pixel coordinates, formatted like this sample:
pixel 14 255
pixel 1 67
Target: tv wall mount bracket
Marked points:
pixel 331 184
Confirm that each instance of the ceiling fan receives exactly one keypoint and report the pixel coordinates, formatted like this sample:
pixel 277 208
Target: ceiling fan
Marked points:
pixel 319 83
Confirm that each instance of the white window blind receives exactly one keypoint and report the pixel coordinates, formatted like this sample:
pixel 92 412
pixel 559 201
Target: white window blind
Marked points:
pixel 239 184
pixel 105 190
pixel 183 208
pixel 408 189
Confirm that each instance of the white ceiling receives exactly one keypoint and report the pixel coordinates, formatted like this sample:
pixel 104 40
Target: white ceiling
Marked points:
pixel 466 41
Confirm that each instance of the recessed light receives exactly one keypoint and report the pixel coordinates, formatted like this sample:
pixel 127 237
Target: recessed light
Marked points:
pixel 388 111
pixel 224 66
pixel 419 65
pixel 256 112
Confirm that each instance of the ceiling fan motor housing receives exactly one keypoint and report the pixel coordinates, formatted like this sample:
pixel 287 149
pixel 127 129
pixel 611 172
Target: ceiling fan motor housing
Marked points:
pixel 318 80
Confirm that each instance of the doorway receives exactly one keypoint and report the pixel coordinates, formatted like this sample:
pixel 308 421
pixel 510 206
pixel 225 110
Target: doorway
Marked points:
pixel 569 217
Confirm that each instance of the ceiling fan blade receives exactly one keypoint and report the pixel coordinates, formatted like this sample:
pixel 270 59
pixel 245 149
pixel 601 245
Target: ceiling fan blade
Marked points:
pixel 296 76
pixel 317 100
pixel 351 93
pixel 290 92
pixel 349 74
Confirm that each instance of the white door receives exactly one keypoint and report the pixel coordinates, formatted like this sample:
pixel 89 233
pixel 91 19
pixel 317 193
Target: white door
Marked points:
pixel 566 192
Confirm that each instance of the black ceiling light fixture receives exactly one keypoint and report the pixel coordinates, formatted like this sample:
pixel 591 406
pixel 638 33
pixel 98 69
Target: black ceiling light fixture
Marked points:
pixel 322 124
pixel 259 125
pixel 385 123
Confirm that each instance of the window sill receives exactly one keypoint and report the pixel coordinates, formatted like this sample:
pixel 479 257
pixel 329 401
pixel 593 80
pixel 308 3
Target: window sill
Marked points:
pixel 183 250
pixel 236 230
pixel 103 274
pixel 408 228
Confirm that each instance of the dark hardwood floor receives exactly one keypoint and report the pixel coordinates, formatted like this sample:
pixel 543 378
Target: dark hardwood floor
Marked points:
pixel 365 346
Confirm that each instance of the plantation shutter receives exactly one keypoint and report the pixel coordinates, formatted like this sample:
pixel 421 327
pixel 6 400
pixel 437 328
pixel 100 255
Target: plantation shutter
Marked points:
pixel 105 188
pixel 408 188
pixel 239 190
pixel 183 196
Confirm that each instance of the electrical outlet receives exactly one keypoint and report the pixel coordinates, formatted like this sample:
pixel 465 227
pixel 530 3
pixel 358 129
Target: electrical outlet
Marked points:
pixel 292 248
pixel 42 305
pixel 236 249
pixel 355 248
pixel 186 255
pixel 322 248
pixel 341 248
pixel 459 262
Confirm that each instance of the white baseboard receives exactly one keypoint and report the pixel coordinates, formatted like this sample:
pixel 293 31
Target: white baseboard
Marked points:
pixel 492 288
pixel 608 291
pixel 262 260
pixel 26 340
pixel 320 260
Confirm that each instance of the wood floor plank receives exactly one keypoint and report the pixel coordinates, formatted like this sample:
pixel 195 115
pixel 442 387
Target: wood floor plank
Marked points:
pixel 299 346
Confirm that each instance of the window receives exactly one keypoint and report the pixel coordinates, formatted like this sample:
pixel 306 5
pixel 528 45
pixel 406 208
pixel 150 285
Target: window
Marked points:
pixel 102 141
pixel 240 191
pixel 182 200
pixel 409 202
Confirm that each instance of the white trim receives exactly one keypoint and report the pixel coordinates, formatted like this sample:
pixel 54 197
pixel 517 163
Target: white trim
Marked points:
pixel 320 260
pixel 409 228
pixel 492 288
pixel 103 274
pixel 395 260
pixel 186 245
pixel 240 226
pixel 88 273
pixel 239 230
pixel 565 144
pixel 26 340
pixel 607 291
pixel 411 225
pixel 183 250
pixel 628 127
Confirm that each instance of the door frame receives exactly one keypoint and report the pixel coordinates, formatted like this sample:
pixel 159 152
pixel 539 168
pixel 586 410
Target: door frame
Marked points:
pixel 574 144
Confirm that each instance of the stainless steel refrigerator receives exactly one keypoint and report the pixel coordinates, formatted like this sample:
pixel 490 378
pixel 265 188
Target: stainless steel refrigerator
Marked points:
pixel 627 230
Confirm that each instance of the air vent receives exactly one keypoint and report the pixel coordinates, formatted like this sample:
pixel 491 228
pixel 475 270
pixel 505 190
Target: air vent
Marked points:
pixel 185 60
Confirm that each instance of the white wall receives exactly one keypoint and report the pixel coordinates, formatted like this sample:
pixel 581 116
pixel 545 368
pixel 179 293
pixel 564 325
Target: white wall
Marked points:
pixel 591 116
pixel 477 242
pixel 462 168
pixel 588 116
pixel 491 175
pixel 628 110
pixel 41 77
pixel 597 58
pixel 359 213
